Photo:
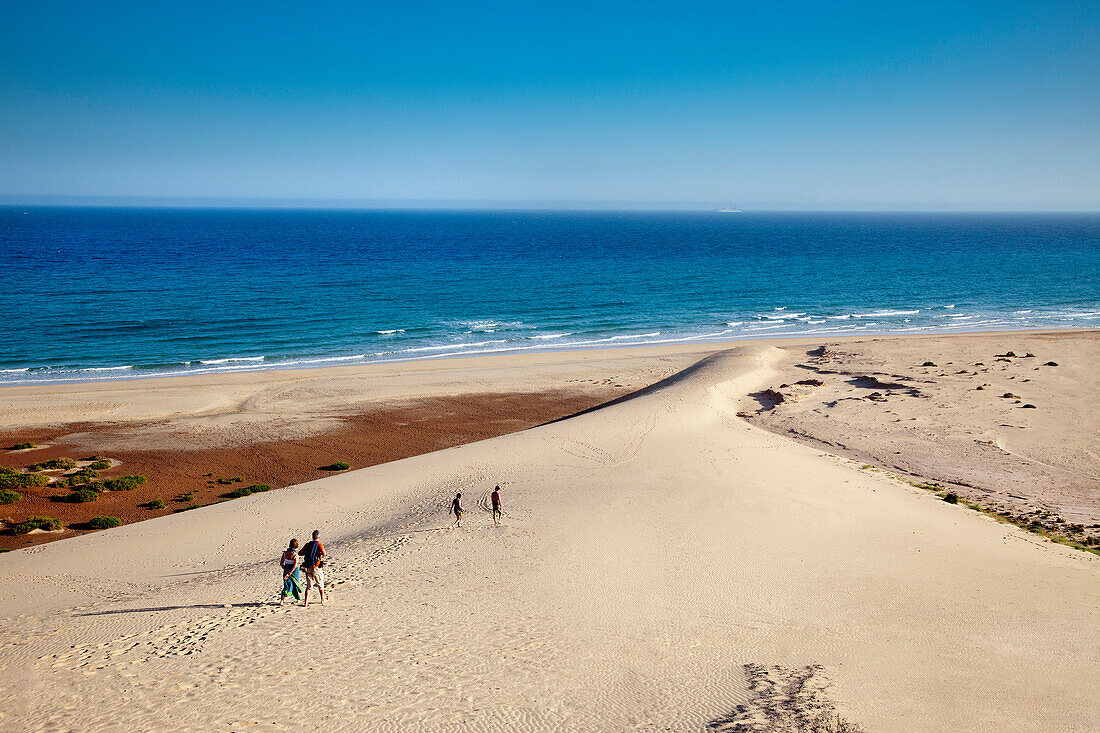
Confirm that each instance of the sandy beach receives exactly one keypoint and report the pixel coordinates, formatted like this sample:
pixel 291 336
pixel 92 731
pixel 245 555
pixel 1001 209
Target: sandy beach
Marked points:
pixel 702 543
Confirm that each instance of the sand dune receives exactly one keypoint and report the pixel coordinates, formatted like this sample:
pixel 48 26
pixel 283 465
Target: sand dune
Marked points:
pixel 663 565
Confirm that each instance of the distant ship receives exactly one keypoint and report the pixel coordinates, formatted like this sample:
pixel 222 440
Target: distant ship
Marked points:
pixel 728 211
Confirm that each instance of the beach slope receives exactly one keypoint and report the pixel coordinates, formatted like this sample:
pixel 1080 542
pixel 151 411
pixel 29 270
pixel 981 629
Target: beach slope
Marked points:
pixel 663 565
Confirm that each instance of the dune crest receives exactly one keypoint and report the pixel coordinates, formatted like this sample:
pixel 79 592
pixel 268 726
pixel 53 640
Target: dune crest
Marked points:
pixel 662 565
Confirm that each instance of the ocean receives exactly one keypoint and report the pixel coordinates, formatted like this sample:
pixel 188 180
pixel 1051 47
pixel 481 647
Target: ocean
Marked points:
pixel 115 293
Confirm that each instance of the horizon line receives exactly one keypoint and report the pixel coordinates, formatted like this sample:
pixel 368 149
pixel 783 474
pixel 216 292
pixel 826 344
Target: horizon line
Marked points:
pixel 351 204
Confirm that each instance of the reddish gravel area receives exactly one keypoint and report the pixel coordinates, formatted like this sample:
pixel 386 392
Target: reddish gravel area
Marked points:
pixel 385 434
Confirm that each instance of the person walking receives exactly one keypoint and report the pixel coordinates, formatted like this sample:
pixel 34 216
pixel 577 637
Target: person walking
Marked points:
pixel 496 506
pixel 456 509
pixel 313 554
pixel 292 581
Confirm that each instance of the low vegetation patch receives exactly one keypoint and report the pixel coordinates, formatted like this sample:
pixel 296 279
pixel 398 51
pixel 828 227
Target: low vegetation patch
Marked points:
pixel 100 465
pixel 186 497
pixel 23 446
pixel 247 491
pixel 54 464
pixel 188 508
pixel 80 496
pixel 951 498
pixel 7 496
pixel 22 480
pixel 49 524
pixel 124 483
pixel 227 481
pixel 103 522
pixel 82 477
pixel 155 504
pixel 338 466
pixel 5 470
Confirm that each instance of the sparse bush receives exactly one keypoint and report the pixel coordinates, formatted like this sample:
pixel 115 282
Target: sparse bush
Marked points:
pixel 7 496
pixel 49 524
pixel 186 497
pixel 155 504
pixel 54 464
pixel 951 498
pixel 23 446
pixel 80 496
pixel 124 483
pixel 100 465
pixel 22 480
pixel 103 522
pixel 247 491
pixel 338 466
pixel 84 476
pixel 5 470
pixel 188 507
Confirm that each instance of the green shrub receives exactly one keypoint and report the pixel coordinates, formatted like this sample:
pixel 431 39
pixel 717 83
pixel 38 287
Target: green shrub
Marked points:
pixel 23 446
pixel 4 470
pixel 188 507
pixel 247 491
pixel 7 496
pixel 951 498
pixel 83 476
pixel 338 466
pixel 50 524
pixel 100 465
pixel 80 496
pixel 186 497
pixel 104 522
pixel 155 504
pixel 22 480
pixel 234 480
pixel 54 464
pixel 124 483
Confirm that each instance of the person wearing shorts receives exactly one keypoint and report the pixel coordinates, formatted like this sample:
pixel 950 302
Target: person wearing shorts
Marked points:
pixel 313 554
pixel 456 509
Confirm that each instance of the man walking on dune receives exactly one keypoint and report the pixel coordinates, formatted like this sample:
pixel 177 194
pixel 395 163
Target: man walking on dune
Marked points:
pixel 313 553
pixel 496 506
pixel 456 509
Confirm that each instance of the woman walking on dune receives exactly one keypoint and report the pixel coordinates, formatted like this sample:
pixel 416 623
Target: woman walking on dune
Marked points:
pixel 292 581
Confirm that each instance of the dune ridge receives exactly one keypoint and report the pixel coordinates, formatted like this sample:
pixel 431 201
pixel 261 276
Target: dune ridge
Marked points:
pixel 662 565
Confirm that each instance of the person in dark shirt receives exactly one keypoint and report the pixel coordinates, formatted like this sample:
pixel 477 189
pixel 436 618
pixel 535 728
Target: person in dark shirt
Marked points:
pixel 496 506
pixel 313 553
pixel 456 509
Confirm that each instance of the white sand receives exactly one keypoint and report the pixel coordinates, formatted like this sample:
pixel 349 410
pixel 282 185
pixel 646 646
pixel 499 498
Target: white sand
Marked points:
pixel 651 549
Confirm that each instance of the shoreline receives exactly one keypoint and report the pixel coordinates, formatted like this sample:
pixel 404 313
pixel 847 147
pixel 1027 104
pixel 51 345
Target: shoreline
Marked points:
pixel 312 363
pixel 277 427
pixel 677 345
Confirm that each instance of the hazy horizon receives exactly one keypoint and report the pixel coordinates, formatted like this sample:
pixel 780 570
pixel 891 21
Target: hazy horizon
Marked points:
pixel 169 202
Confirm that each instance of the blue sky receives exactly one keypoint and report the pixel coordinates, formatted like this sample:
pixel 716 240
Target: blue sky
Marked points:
pixel 873 105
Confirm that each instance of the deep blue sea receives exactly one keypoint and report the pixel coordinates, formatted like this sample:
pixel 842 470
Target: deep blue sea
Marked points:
pixel 119 293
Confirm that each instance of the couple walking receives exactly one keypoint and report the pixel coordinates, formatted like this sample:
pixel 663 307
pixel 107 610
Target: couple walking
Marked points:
pixel 458 511
pixel 311 561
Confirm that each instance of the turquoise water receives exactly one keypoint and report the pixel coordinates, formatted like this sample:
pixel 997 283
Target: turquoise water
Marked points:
pixel 121 293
